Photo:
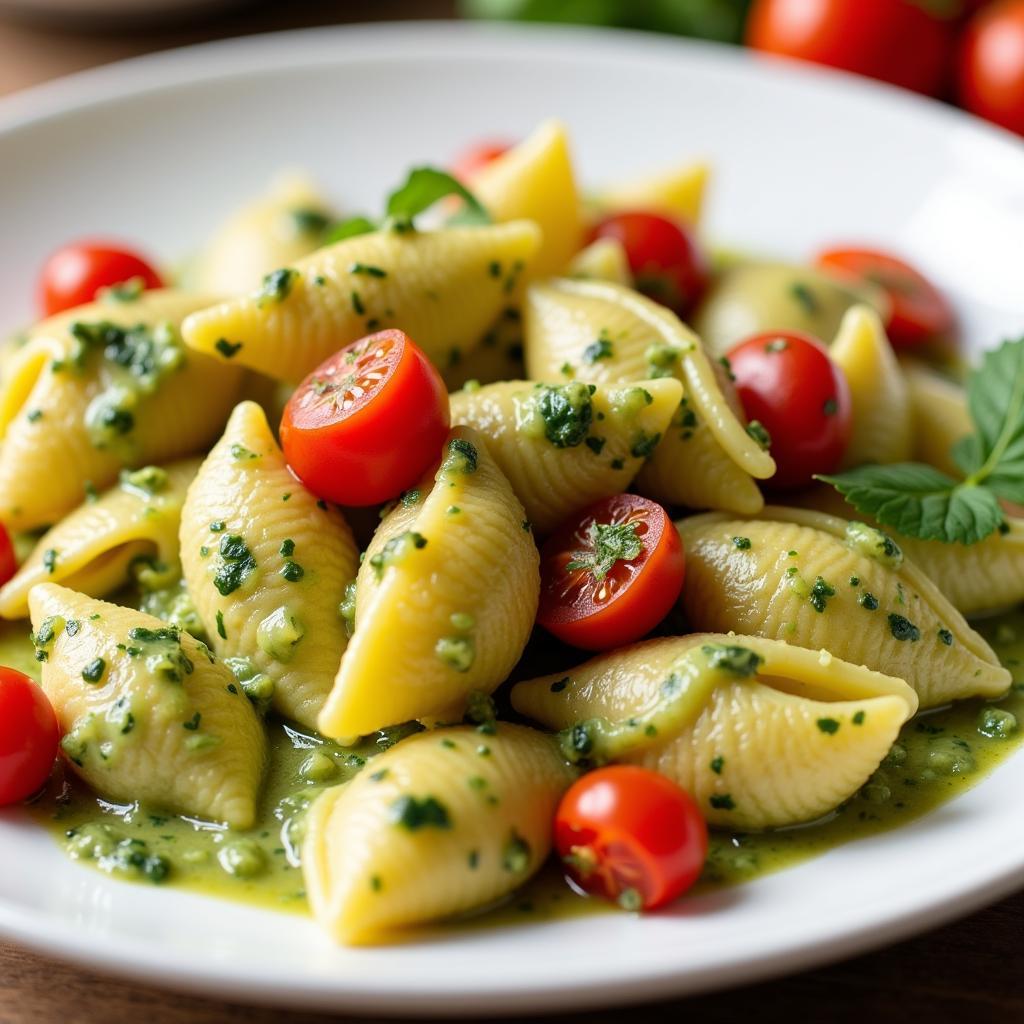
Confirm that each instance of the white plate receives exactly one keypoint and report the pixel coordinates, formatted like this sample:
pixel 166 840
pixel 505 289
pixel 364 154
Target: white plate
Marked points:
pixel 157 149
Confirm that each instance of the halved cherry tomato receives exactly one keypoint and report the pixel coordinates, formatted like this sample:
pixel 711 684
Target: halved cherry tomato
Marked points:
pixel 631 835
pixel 472 160
pixel 897 41
pixel 991 65
pixel 8 562
pixel 28 736
pixel 920 312
pixel 787 382
pixel 366 423
pixel 611 573
pixel 667 264
pixel 76 272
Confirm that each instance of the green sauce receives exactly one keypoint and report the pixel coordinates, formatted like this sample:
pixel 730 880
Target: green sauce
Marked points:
pixel 939 755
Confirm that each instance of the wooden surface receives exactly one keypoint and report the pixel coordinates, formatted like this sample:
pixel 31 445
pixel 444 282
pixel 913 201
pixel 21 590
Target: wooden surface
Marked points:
pixel 971 971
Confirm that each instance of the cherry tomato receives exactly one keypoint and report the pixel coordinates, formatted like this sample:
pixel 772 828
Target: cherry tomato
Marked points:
pixel 990 74
pixel 788 383
pixel 611 573
pixel 472 160
pixel 368 422
pixel 8 563
pixel 897 41
pixel 667 263
pixel 920 312
pixel 28 736
pixel 631 835
pixel 76 272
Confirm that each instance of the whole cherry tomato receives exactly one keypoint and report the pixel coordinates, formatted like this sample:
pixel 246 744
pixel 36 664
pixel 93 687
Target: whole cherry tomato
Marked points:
pixel 77 271
pixel 990 76
pixel 28 736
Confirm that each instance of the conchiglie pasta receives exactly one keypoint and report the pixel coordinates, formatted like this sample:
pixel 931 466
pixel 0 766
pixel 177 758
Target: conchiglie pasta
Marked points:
pixel 282 226
pixel 707 458
pixel 603 260
pixel 534 181
pixel 146 712
pixel 445 600
pixel 565 446
pixel 102 387
pixel 675 192
pixel 93 549
pixel 499 356
pixel 761 733
pixel 940 415
pixel 473 814
pixel 820 582
pixel 267 566
pixel 882 424
pixel 444 288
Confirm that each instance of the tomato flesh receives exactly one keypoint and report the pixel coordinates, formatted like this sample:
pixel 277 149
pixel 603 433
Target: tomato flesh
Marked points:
pixel 471 161
pixel 28 736
pixel 368 422
pixel 595 609
pixel 787 382
pixel 920 312
pixel 896 41
pixel 667 264
pixel 631 835
pixel 74 274
pixel 990 73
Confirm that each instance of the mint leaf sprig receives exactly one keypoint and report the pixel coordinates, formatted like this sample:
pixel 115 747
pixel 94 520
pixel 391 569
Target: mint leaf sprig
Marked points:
pixel 424 187
pixel 920 501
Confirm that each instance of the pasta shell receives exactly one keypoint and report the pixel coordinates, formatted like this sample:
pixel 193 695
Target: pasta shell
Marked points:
pixel 92 549
pixel 444 288
pixel 145 710
pixel 801 577
pixel 473 814
pixel 273 231
pixel 445 600
pixel 603 260
pixel 784 744
pixel 267 565
pixel 882 426
pixel 675 192
pixel 499 356
pixel 940 415
pixel 534 180
pixel 553 481
pixel 49 454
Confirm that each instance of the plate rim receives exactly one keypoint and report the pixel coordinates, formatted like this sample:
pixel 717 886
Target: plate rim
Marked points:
pixel 278 51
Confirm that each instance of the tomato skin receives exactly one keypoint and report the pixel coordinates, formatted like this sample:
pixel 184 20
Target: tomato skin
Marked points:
pixel 28 736
pixel 667 264
pixel 475 158
pixel 920 312
pixel 8 561
pixel 895 41
pixel 787 381
pixel 382 445
pixel 642 591
pixel 990 70
pixel 637 829
pixel 73 274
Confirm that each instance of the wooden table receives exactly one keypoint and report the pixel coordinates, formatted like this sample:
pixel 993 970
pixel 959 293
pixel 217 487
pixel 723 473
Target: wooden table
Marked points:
pixel 969 971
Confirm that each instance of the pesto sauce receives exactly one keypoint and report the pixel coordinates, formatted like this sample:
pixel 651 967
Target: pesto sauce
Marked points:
pixel 939 755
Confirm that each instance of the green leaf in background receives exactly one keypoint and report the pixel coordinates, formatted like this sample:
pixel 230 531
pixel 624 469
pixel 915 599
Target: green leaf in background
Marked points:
pixel 921 502
pixel 426 186
pixel 348 229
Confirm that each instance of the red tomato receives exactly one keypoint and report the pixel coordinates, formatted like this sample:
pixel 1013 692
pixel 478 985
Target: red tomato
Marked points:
pixel 990 76
pixel 631 835
pixel 76 272
pixel 920 312
pixel 28 736
pixel 611 573
pixel 366 423
pixel 8 563
pixel 667 263
pixel 472 160
pixel 787 382
pixel 896 41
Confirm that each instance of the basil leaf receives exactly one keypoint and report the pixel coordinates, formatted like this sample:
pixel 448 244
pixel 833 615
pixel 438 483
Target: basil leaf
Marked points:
pixel 919 501
pixel 426 186
pixel 348 229
pixel 967 454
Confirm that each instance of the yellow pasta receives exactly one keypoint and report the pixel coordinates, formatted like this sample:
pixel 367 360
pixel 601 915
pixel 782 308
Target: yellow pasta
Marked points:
pixel 939 414
pixel 267 566
pixel 675 192
pixel 146 712
pixel 603 260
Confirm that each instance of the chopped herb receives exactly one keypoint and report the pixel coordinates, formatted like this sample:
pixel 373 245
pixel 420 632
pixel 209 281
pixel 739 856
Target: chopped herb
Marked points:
pixel 610 543
pixel 395 550
pixel 644 445
pixel 228 349
pixel 559 684
pixel 310 222
pixel 596 350
pixel 221 632
pixel 50 560
pixel 93 671
pixel 828 725
pixel 35 416
pixel 757 431
pixel 217 526
pixel 946 637
pixel 858 718
pixel 277 285
pixel 413 813
pixel 803 294
pixel 367 269
pixel 287 548
pixel 461 457
pixel 830 407
pixel 902 628
pixel 240 453
pixel 357 303
pixel 237 564
pixel 292 571
pixel 743 543
pixel 820 593
pixel 738 661
pixel 868 602
pixel 193 723
pixel 717 764
pixel 567 412
pixel 515 857
pixel 722 802
pixel 457 652
pixel 595 444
